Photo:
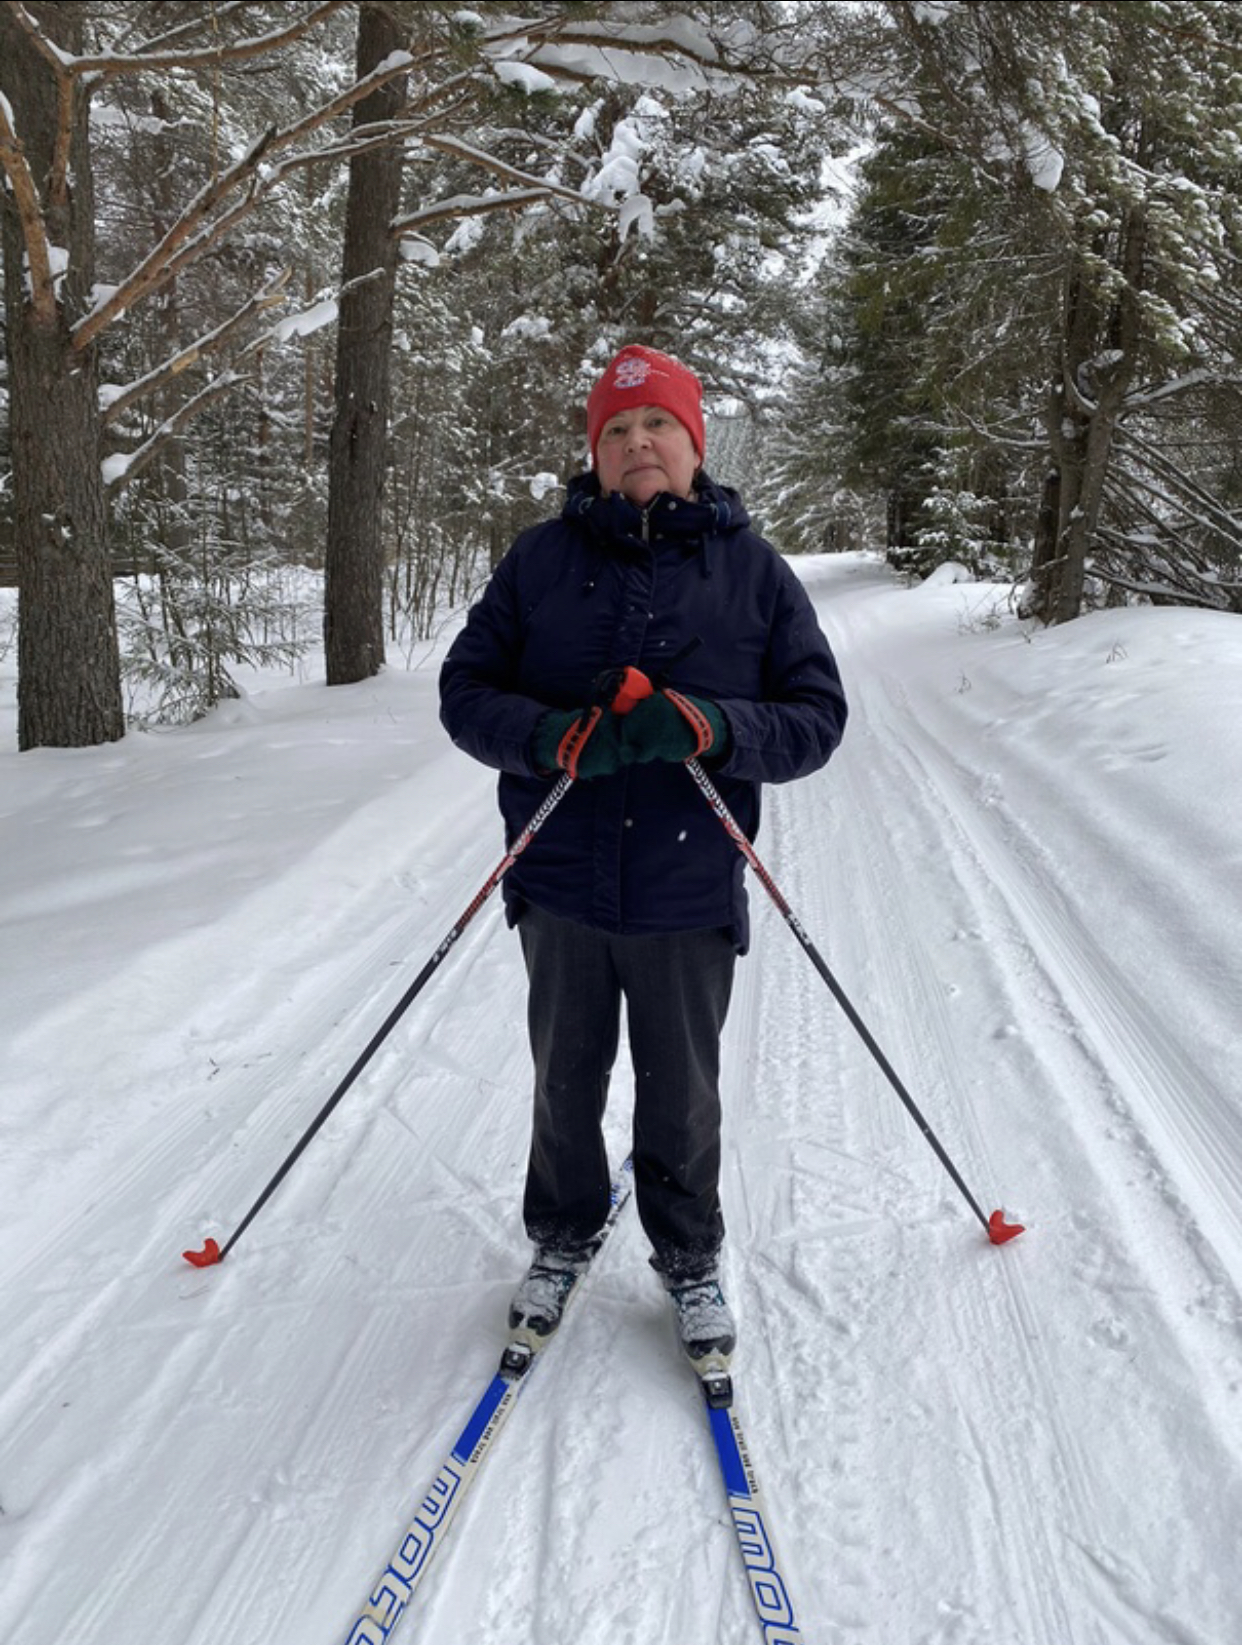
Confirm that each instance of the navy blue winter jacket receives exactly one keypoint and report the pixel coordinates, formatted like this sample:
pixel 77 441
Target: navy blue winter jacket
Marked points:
pixel 604 586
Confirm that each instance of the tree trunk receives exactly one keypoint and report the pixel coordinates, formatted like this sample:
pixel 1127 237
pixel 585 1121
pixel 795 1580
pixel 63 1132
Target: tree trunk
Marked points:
pixel 1045 548
pixel 69 686
pixel 175 525
pixel 1080 509
pixel 358 451
pixel 1099 350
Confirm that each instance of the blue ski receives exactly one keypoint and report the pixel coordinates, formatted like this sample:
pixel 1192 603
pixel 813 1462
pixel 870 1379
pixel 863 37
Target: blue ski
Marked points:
pixel 768 1587
pixel 391 1596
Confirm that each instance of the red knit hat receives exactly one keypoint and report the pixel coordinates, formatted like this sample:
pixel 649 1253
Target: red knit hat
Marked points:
pixel 641 376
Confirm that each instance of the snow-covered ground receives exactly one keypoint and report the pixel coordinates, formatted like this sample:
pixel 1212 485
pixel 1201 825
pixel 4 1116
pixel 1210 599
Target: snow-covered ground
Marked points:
pixel 1025 867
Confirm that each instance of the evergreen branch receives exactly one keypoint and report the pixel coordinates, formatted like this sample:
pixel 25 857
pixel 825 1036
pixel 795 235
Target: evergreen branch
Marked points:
pixel 632 41
pixel 1213 42
pixel 1216 517
pixel 162 375
pixel 30 215
pixel 558 71
pixel 612 40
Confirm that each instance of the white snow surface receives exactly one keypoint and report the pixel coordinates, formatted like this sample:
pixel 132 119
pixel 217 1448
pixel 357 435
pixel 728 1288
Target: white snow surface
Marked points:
pixel 1023 866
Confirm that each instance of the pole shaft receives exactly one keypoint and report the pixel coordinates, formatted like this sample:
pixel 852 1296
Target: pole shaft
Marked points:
pixel 712 795
pixel 544 811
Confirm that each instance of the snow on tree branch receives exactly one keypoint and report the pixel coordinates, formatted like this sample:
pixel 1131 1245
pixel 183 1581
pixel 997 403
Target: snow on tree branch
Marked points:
pixel 1144 399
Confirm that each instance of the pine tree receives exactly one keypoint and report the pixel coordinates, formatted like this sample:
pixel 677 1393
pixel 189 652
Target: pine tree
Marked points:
pixel 1098 150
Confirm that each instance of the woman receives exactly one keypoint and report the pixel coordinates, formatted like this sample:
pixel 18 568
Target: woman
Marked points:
pixel 632 890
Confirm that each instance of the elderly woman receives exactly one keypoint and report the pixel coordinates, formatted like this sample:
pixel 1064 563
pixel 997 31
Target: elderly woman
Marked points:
pixel 633 891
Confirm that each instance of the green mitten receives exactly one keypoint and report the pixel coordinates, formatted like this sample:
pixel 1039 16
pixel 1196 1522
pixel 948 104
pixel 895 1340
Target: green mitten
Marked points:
pixel 582 741
pixel 668 726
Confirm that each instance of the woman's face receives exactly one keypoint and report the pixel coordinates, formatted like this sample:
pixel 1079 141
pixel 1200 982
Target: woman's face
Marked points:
pixel 645 450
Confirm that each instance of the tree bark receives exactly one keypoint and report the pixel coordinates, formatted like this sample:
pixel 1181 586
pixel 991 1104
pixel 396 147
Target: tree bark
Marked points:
pixel 69 685
pixel 358 449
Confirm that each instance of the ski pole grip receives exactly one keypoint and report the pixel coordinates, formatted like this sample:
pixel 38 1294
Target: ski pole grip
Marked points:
pixel 634 686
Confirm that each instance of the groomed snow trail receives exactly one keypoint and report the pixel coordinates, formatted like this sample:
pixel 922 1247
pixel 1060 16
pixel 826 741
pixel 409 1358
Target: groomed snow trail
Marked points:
pixel 1034 1445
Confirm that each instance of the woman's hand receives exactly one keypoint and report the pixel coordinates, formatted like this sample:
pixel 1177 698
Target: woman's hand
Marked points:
pixel 582 741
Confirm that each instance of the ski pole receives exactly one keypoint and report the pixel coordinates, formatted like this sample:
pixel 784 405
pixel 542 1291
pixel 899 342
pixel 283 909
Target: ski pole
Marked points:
pixel 211 1251
pixel 633 685
pixel 995 1226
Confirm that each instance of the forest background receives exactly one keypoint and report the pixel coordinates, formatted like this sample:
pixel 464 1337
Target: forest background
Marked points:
pixel 302 301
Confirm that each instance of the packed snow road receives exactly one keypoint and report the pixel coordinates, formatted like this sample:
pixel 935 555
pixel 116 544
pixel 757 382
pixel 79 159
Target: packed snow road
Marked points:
pixel 1021 866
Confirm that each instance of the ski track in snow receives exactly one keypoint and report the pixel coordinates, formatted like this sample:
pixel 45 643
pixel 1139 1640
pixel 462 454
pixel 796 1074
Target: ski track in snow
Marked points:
pixel 1038 1445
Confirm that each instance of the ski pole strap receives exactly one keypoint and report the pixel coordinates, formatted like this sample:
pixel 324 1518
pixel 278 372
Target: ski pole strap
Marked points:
pixel 695 717
pixel 570 747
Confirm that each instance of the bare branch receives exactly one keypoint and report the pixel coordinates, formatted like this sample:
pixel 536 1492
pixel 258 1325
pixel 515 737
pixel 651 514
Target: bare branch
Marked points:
pixel 470 205
pixel 171 427
pixel 512 174
pixel 272 294
pixel 58 60
pixel 158 264
pixel 281 332
pixel 1186 495
pixel 450 87
pixel 58 181
pixel 191 234
pixel 207 20
pixel 1144 398
pixel 30 215
pixel 113 63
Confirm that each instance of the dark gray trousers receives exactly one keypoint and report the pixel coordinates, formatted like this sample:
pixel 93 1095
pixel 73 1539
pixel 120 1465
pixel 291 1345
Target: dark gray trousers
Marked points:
pixel 676 990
